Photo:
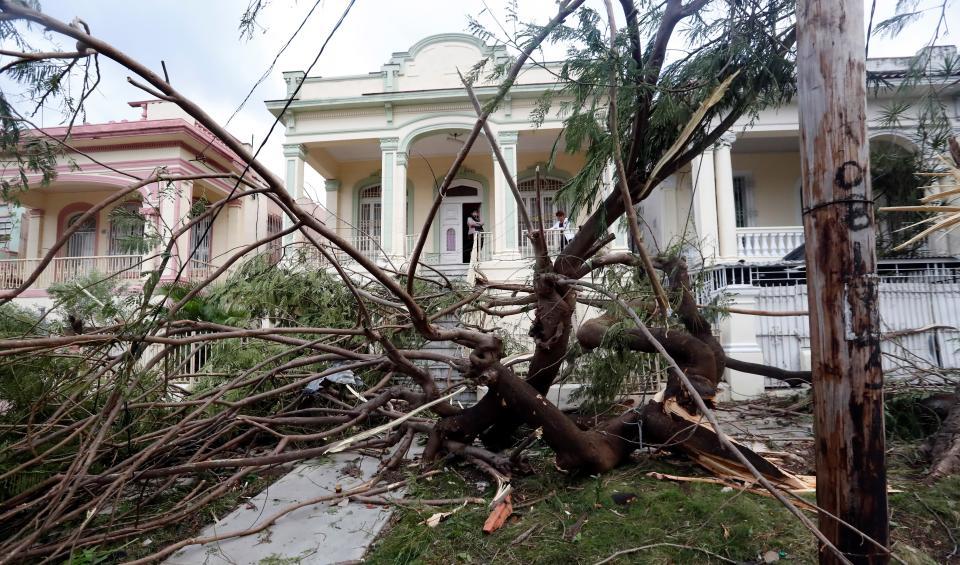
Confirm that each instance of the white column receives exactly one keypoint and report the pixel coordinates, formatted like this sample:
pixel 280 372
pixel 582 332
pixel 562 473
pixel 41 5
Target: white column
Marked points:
pixel 619 227
pixel 705 204
pixel 738 334
pixel 34 233
pixel 294 155
pixel 182 205
pixel 726 206
pixel 172 210
pixel 393 186
pixel 332 189
pixel 236 227
pixel 506 238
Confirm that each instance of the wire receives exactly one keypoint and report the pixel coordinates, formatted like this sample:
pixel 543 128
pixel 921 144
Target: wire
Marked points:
pixel 267 72
pixel 292 96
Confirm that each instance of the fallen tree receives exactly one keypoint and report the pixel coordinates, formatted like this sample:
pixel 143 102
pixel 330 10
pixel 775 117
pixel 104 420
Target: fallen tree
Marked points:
pixel 103 423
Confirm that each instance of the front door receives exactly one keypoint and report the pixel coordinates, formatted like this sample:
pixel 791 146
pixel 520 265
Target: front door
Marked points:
pixel 451 233
pixel 465 212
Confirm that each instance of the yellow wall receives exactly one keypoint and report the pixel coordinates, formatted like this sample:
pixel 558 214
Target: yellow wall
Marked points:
pixel 776 186
pixel 421 172
pixel 54 202
pixel 226 237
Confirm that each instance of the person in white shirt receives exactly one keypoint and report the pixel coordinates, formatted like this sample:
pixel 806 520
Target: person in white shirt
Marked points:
pixel 474 226
pixel 563 226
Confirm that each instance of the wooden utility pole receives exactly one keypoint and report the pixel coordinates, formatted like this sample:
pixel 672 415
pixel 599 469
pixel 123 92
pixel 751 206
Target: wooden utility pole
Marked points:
pixel 838 225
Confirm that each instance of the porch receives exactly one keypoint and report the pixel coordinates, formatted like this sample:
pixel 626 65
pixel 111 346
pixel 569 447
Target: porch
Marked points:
pixel 121 242
pixel 379 192
pixel 747 201
pixel 125 269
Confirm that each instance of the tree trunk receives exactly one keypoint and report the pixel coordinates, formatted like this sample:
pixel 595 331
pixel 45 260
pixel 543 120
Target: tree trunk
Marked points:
pixel 945 451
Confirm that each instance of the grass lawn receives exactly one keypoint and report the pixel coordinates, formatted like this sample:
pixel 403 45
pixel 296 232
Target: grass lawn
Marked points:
pixel 567 519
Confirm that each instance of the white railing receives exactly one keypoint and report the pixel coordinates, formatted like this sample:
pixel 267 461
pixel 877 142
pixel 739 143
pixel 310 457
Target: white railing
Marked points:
pixel 200 270
pixel 556 240
pixel 426 257
pixel 769 242
pixel 14 272
pixel 368 245
pixel 482 247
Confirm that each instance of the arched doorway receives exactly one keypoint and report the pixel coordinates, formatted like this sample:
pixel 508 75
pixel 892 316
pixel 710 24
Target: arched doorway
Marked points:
pixel 430 148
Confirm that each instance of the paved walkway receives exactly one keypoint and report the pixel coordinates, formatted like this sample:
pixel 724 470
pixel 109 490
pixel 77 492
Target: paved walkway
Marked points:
pixel 321 534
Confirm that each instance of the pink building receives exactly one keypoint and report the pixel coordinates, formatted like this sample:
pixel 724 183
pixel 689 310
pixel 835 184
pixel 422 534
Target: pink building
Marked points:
pixel 106 158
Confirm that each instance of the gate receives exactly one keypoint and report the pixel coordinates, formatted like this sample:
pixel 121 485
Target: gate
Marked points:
pixel 919 318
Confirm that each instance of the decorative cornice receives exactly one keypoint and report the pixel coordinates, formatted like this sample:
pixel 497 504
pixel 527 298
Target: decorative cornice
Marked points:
pixel 726 140
pixel 389 143
pixel 331 185
pixel 293 80
pixel 295 150
pixel 440 107
pixel 508 137
pixel 347 113
pixel 401 158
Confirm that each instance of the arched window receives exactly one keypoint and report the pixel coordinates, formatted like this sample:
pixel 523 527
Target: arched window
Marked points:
pixel 82 243
pixel 126 230
pixel 462 190
pixel 548 197
pixel 369 221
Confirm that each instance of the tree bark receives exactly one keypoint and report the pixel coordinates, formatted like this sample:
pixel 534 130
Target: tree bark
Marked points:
pixel 841 278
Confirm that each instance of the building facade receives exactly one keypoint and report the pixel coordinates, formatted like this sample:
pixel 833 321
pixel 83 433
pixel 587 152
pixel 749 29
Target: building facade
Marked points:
pixel 384 141
pixel 104 159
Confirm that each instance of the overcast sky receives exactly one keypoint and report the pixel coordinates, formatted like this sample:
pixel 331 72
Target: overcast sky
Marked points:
pixel 209 62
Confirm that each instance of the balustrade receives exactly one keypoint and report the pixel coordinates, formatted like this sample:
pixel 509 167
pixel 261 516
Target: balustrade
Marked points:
pixel 768 242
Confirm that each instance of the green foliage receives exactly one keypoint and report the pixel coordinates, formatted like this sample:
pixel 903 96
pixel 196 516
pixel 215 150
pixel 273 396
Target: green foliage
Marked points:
pixel 200 307
pixel 289 297
pixel 749 42
pixel 18 321
pixel 895 182
pixel 93 300
pixel 30 154
pixel 906 418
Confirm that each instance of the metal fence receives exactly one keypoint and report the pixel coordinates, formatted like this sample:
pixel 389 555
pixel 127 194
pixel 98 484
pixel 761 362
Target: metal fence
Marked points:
pixel 919 316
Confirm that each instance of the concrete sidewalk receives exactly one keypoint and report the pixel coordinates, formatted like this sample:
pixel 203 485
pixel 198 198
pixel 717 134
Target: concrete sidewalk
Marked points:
pixel 319 534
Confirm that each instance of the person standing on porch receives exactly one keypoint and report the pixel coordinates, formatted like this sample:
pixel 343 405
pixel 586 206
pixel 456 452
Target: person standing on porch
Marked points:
pixel 562 225
pixel 474 226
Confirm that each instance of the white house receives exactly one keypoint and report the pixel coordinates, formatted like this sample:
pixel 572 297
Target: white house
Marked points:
pixel 383 140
